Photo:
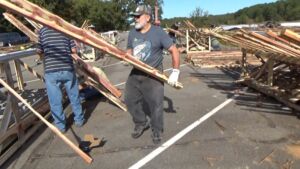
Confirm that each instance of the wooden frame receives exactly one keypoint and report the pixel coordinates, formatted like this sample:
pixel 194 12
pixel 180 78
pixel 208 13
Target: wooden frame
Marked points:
pixel 99 81
pixel 279 56
pixel 44 17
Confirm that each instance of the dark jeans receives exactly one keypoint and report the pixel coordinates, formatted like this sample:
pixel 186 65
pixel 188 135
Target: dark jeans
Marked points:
pixel 143 89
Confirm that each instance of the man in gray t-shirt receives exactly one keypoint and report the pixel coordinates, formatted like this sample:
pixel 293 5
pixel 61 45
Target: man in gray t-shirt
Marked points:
pixel 146 42
pixel 148 46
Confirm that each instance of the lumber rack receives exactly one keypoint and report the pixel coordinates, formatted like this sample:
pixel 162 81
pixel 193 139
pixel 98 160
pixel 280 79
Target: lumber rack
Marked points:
pixel 278 76
pixel 17 123
pixel 276 71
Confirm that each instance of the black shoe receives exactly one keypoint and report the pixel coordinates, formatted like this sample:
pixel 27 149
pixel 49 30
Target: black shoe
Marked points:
pixel 156 137
pixel 139 130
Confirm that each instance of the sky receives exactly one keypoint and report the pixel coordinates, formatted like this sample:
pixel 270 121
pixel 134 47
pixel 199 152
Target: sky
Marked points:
pixel 183 8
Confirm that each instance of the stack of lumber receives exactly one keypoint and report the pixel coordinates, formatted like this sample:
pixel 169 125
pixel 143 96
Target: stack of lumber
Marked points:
pixel 194 40
pixel 46 18
pixel 92 75
pixel 282 46
pixel 214 58
pixel 279 53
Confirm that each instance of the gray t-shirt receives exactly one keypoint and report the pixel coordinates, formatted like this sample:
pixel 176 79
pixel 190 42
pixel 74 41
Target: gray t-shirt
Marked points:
pixel 148 46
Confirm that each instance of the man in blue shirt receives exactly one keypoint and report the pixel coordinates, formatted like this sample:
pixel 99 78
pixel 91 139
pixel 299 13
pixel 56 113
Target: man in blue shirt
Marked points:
pixel 56 50
pixel 146 42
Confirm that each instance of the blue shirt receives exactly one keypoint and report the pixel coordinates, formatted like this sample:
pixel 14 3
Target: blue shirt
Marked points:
pixel 56 48
pixel 148 46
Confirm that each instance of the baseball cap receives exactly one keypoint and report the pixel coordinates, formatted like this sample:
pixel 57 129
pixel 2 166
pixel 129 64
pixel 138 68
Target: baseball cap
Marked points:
pixel 142 9
pixel 91 26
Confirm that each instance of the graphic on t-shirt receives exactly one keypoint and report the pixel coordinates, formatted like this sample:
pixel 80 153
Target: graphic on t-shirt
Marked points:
pixel 141 49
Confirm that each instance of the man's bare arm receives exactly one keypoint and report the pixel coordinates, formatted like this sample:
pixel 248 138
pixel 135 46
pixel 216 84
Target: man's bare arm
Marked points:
pixel 175 56
pixel 73 50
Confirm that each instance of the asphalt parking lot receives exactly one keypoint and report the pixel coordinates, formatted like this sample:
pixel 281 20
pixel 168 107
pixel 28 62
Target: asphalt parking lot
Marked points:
pixel 210 123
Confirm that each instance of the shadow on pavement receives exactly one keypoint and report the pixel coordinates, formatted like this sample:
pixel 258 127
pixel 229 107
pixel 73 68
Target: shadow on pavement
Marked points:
pixel 250 99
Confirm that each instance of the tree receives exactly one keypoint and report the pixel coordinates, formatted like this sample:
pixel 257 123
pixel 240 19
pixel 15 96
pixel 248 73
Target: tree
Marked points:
pixel 115 14
pixel 199 17
pixel 243 19
pixel 198 12
pixel 129 6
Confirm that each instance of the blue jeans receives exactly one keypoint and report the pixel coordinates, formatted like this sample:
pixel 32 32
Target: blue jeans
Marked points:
pixel 54 82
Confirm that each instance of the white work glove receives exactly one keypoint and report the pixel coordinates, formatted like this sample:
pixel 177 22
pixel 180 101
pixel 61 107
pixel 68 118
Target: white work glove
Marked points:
pixel 173 78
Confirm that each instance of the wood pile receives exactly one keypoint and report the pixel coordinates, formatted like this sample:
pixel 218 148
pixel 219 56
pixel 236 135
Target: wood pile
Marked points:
pixel 39 17
pixel 90 74
pixel 200 39
pixel 190 39
pixel 44 17
pixel 278 74
pixel 215 58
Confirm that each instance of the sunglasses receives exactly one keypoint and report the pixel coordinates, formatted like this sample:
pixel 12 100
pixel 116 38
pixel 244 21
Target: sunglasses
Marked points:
pixel 137 16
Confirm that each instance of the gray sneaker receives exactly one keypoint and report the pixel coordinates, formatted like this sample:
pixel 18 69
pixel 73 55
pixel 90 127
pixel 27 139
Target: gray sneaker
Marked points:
pixel 156 137
pixel 139 130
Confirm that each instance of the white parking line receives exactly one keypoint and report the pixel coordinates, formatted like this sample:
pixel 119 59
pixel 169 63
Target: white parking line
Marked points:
pixel 172 68
pixel 178 136
pixel 120 84
pixel 29 81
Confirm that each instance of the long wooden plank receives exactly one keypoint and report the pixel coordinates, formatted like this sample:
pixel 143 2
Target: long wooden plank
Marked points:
pixel 291 34
pixel 250 43
pixel 110 97
pixel 255 46
pixel 101 78
pixel 275 36
pixel 280 45
pixel 34 24
pixel 44 17
pixel 193 40
pixel 91 82
pixel 270 72
pixel 89 68
pixel 194 28
pixel 266 45
pixel 279 57
pixel 277 94
pixel 91 71
pixel 19 75
pixel 20 26
pixel 86 158
pixel 27 67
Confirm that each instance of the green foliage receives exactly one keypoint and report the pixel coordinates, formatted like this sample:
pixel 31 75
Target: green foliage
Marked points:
pixel 115 14
pixel 104 14
pixel 282 10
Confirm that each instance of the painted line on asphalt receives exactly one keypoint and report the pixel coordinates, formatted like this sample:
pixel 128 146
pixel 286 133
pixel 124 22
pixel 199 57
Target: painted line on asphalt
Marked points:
pixel 29 81
pixel 172 68
pixel 120 84
pixel 178 136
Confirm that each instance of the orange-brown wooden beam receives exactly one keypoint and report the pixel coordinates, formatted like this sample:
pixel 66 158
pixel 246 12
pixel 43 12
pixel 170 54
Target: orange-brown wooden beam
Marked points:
pixel 44 17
